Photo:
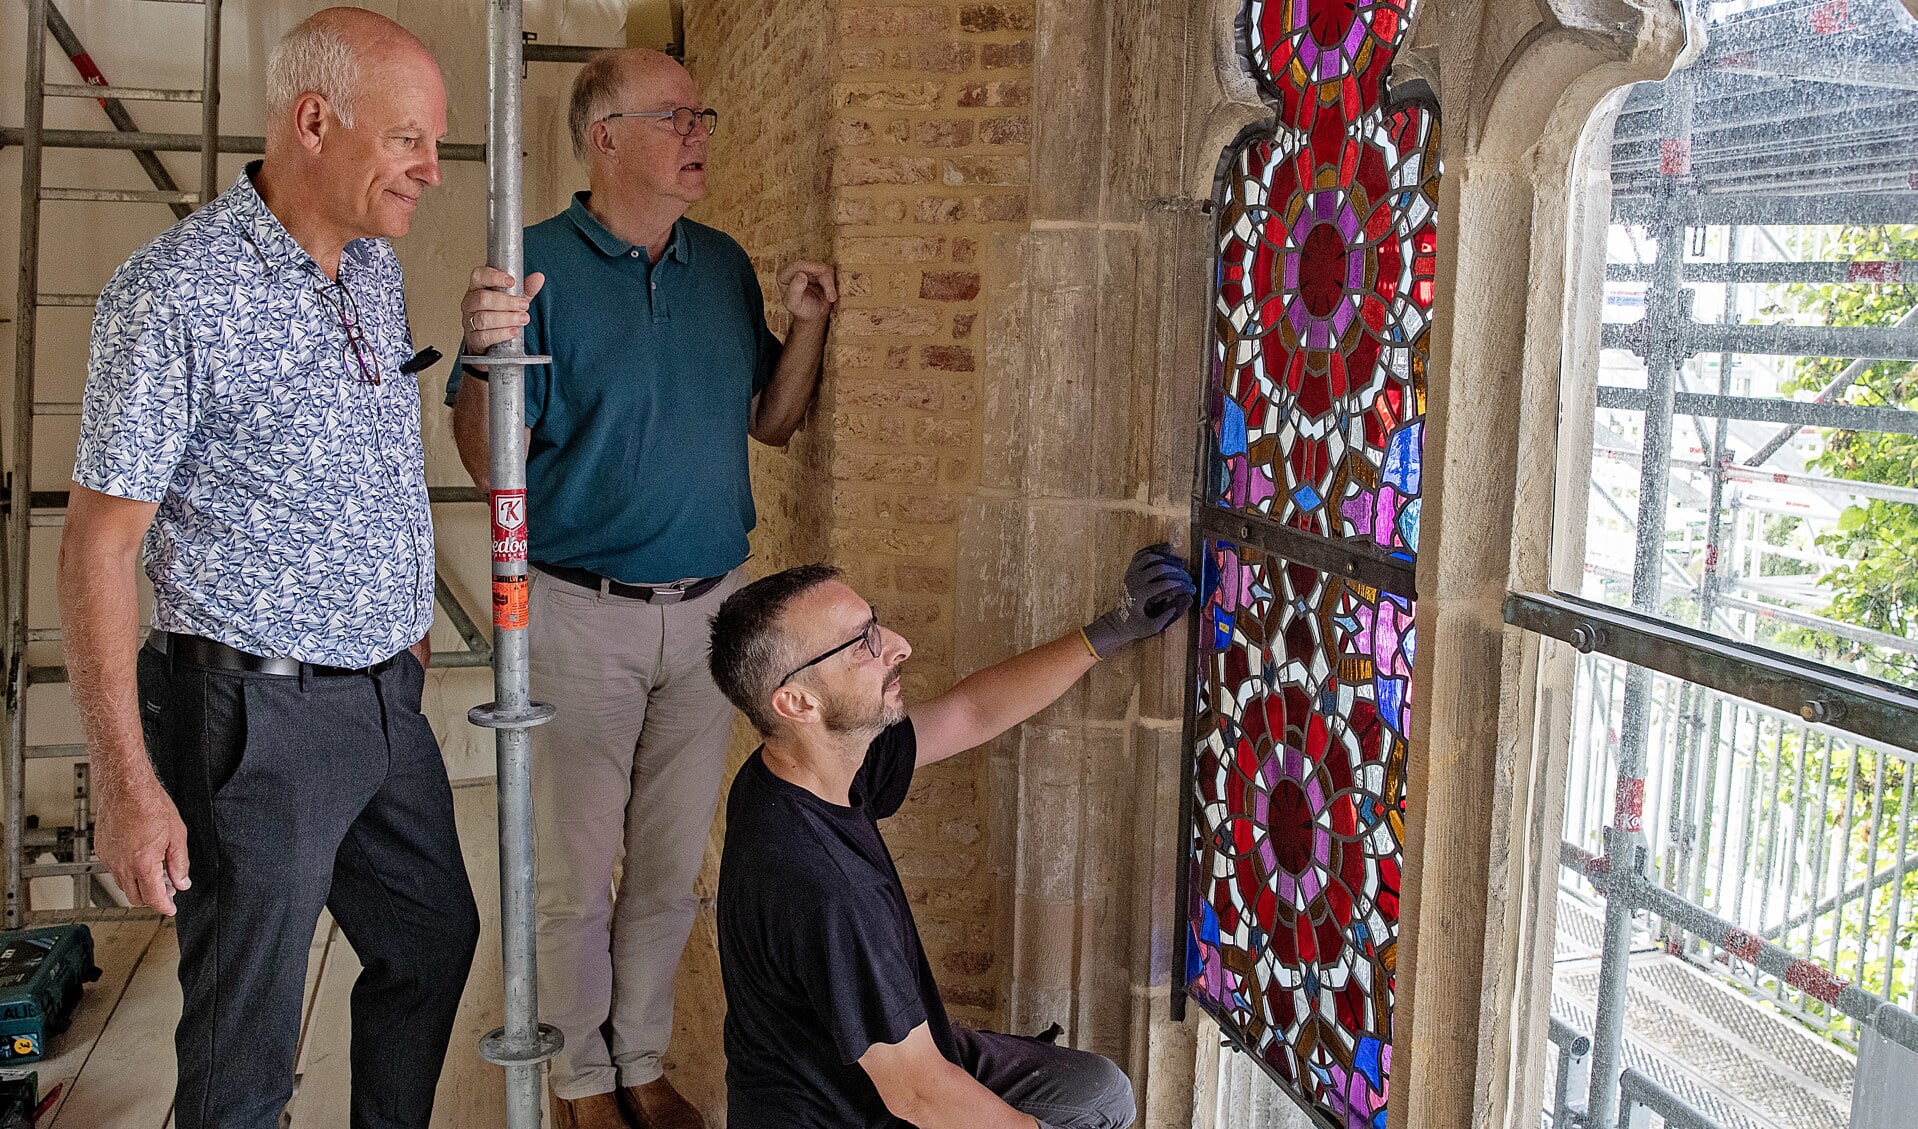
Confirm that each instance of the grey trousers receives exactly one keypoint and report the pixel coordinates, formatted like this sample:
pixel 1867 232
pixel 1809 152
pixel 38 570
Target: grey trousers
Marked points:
pixel 300 792
pixel 1061 1087
pixel 630 766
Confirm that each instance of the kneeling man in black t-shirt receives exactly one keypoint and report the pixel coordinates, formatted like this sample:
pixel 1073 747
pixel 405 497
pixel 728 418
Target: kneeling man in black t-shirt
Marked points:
pixel 833 1020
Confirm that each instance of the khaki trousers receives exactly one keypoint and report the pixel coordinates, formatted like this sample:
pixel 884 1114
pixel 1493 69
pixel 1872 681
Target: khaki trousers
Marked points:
pixel 630 765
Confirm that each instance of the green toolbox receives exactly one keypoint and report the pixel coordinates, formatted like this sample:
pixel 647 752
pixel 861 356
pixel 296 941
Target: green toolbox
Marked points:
pixel 42 972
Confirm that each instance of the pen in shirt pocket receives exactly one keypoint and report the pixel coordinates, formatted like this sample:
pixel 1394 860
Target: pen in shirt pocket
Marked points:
pixel 421 361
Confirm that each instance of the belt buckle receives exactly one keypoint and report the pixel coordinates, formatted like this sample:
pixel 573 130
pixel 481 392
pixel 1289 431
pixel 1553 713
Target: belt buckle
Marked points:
pixel 675 592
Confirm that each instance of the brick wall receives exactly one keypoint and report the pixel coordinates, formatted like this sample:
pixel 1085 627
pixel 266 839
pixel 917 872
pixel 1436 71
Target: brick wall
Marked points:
pixel 930 140
pixel 893 140
pixel 765 67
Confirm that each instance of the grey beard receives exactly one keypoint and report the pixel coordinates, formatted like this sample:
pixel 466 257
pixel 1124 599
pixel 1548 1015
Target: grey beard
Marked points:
pixel 869 719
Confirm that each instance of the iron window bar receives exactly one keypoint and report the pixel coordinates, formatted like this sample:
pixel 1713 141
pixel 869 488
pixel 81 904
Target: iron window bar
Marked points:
pixel 1352 558
pixel 1819 694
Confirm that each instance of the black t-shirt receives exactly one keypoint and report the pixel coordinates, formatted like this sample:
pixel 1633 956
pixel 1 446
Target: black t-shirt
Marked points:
pixel 817 946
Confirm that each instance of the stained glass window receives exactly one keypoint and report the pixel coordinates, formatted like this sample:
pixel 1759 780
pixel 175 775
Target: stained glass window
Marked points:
pixel 1307 536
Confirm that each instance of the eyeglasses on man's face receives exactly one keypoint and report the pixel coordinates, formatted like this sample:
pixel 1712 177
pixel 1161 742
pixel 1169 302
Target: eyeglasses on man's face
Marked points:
pixel 684 118
pixel 356 348
pixel 869 637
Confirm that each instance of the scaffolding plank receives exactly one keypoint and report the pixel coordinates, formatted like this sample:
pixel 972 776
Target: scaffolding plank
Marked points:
pixel 180 142
pixel 120 195
pixel 123 93
pixel 118 949
pixel 127 1081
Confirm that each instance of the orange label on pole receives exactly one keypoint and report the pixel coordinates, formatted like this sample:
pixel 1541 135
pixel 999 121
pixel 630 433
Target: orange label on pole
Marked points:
pixel 509 603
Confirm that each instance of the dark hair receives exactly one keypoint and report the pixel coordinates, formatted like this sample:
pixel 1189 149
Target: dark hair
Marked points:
pixel 749 653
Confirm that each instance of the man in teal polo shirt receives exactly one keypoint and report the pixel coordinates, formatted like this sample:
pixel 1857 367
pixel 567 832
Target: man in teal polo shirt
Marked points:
pixel 640 507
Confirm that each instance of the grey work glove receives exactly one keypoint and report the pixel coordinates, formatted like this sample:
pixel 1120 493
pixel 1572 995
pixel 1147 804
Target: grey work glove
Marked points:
pixel 1158 590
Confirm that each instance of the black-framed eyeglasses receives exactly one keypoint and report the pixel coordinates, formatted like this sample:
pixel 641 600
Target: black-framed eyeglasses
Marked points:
pixel 684 118
pixel 356 348
pixel 870 637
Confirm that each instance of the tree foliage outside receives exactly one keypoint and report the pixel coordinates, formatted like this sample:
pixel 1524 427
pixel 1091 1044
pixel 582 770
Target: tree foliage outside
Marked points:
pixel 1877 586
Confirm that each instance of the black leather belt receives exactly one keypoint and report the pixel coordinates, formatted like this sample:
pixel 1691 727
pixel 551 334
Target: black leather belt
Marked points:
pixel 651 593
pixel 195 650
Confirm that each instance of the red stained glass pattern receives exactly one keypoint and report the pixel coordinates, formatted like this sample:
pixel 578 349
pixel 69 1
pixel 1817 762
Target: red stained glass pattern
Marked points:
pixel 1326 244
pixel 1298 822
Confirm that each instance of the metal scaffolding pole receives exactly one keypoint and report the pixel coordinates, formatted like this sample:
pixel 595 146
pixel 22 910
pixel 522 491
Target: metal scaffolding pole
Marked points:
pixel 1667 309
pixel 21 460
pixel 1706 781
pixel 524 1043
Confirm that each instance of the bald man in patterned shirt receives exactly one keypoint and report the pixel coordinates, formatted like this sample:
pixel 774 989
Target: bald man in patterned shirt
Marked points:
pixel 248 417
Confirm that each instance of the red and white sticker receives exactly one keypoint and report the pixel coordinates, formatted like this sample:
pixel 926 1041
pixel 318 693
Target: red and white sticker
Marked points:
pixel 510 603
pixel 1674 157
pixel 509 526
pixel 1629 815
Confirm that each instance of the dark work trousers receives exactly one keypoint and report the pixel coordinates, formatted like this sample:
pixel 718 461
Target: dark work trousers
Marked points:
pixel 300 792
pixel 1060 1087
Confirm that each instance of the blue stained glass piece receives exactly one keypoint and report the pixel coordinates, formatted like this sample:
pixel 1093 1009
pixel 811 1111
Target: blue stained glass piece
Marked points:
pixel 1208 923
pixel 1307 498
pixel 1194 959
pixel 1378 1120
pixel 1312 984
pixel 1365 1060
pixel 1409 524
pixel 1391 698
pixel 1232 429
pixel 1403 453
pixel 1221 630
pixel 1350 624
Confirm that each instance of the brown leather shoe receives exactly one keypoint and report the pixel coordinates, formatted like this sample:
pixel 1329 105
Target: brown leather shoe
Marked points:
pixel 597 1111
pixel 656 1105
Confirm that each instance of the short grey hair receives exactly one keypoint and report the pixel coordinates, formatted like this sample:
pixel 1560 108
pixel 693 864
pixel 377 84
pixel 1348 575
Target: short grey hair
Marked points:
pixel 314 57
pixel 596 93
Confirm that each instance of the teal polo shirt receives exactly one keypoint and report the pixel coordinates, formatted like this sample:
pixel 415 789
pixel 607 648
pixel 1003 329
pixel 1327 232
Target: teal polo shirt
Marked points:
pixel 637 467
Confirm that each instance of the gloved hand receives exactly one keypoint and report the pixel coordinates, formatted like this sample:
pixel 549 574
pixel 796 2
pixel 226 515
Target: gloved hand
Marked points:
pixel 1158 590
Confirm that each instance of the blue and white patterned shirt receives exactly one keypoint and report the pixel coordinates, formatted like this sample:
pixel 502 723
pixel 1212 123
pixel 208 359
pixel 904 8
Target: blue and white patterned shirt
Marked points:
pixel 222 384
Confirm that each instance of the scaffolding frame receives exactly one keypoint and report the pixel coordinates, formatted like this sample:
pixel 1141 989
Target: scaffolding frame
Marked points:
pixel 1686 154
pixel 523 1044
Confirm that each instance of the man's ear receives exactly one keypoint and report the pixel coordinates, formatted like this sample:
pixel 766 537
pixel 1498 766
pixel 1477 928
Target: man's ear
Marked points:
pixel 312 121
pixel 795 704
pixel 599 137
